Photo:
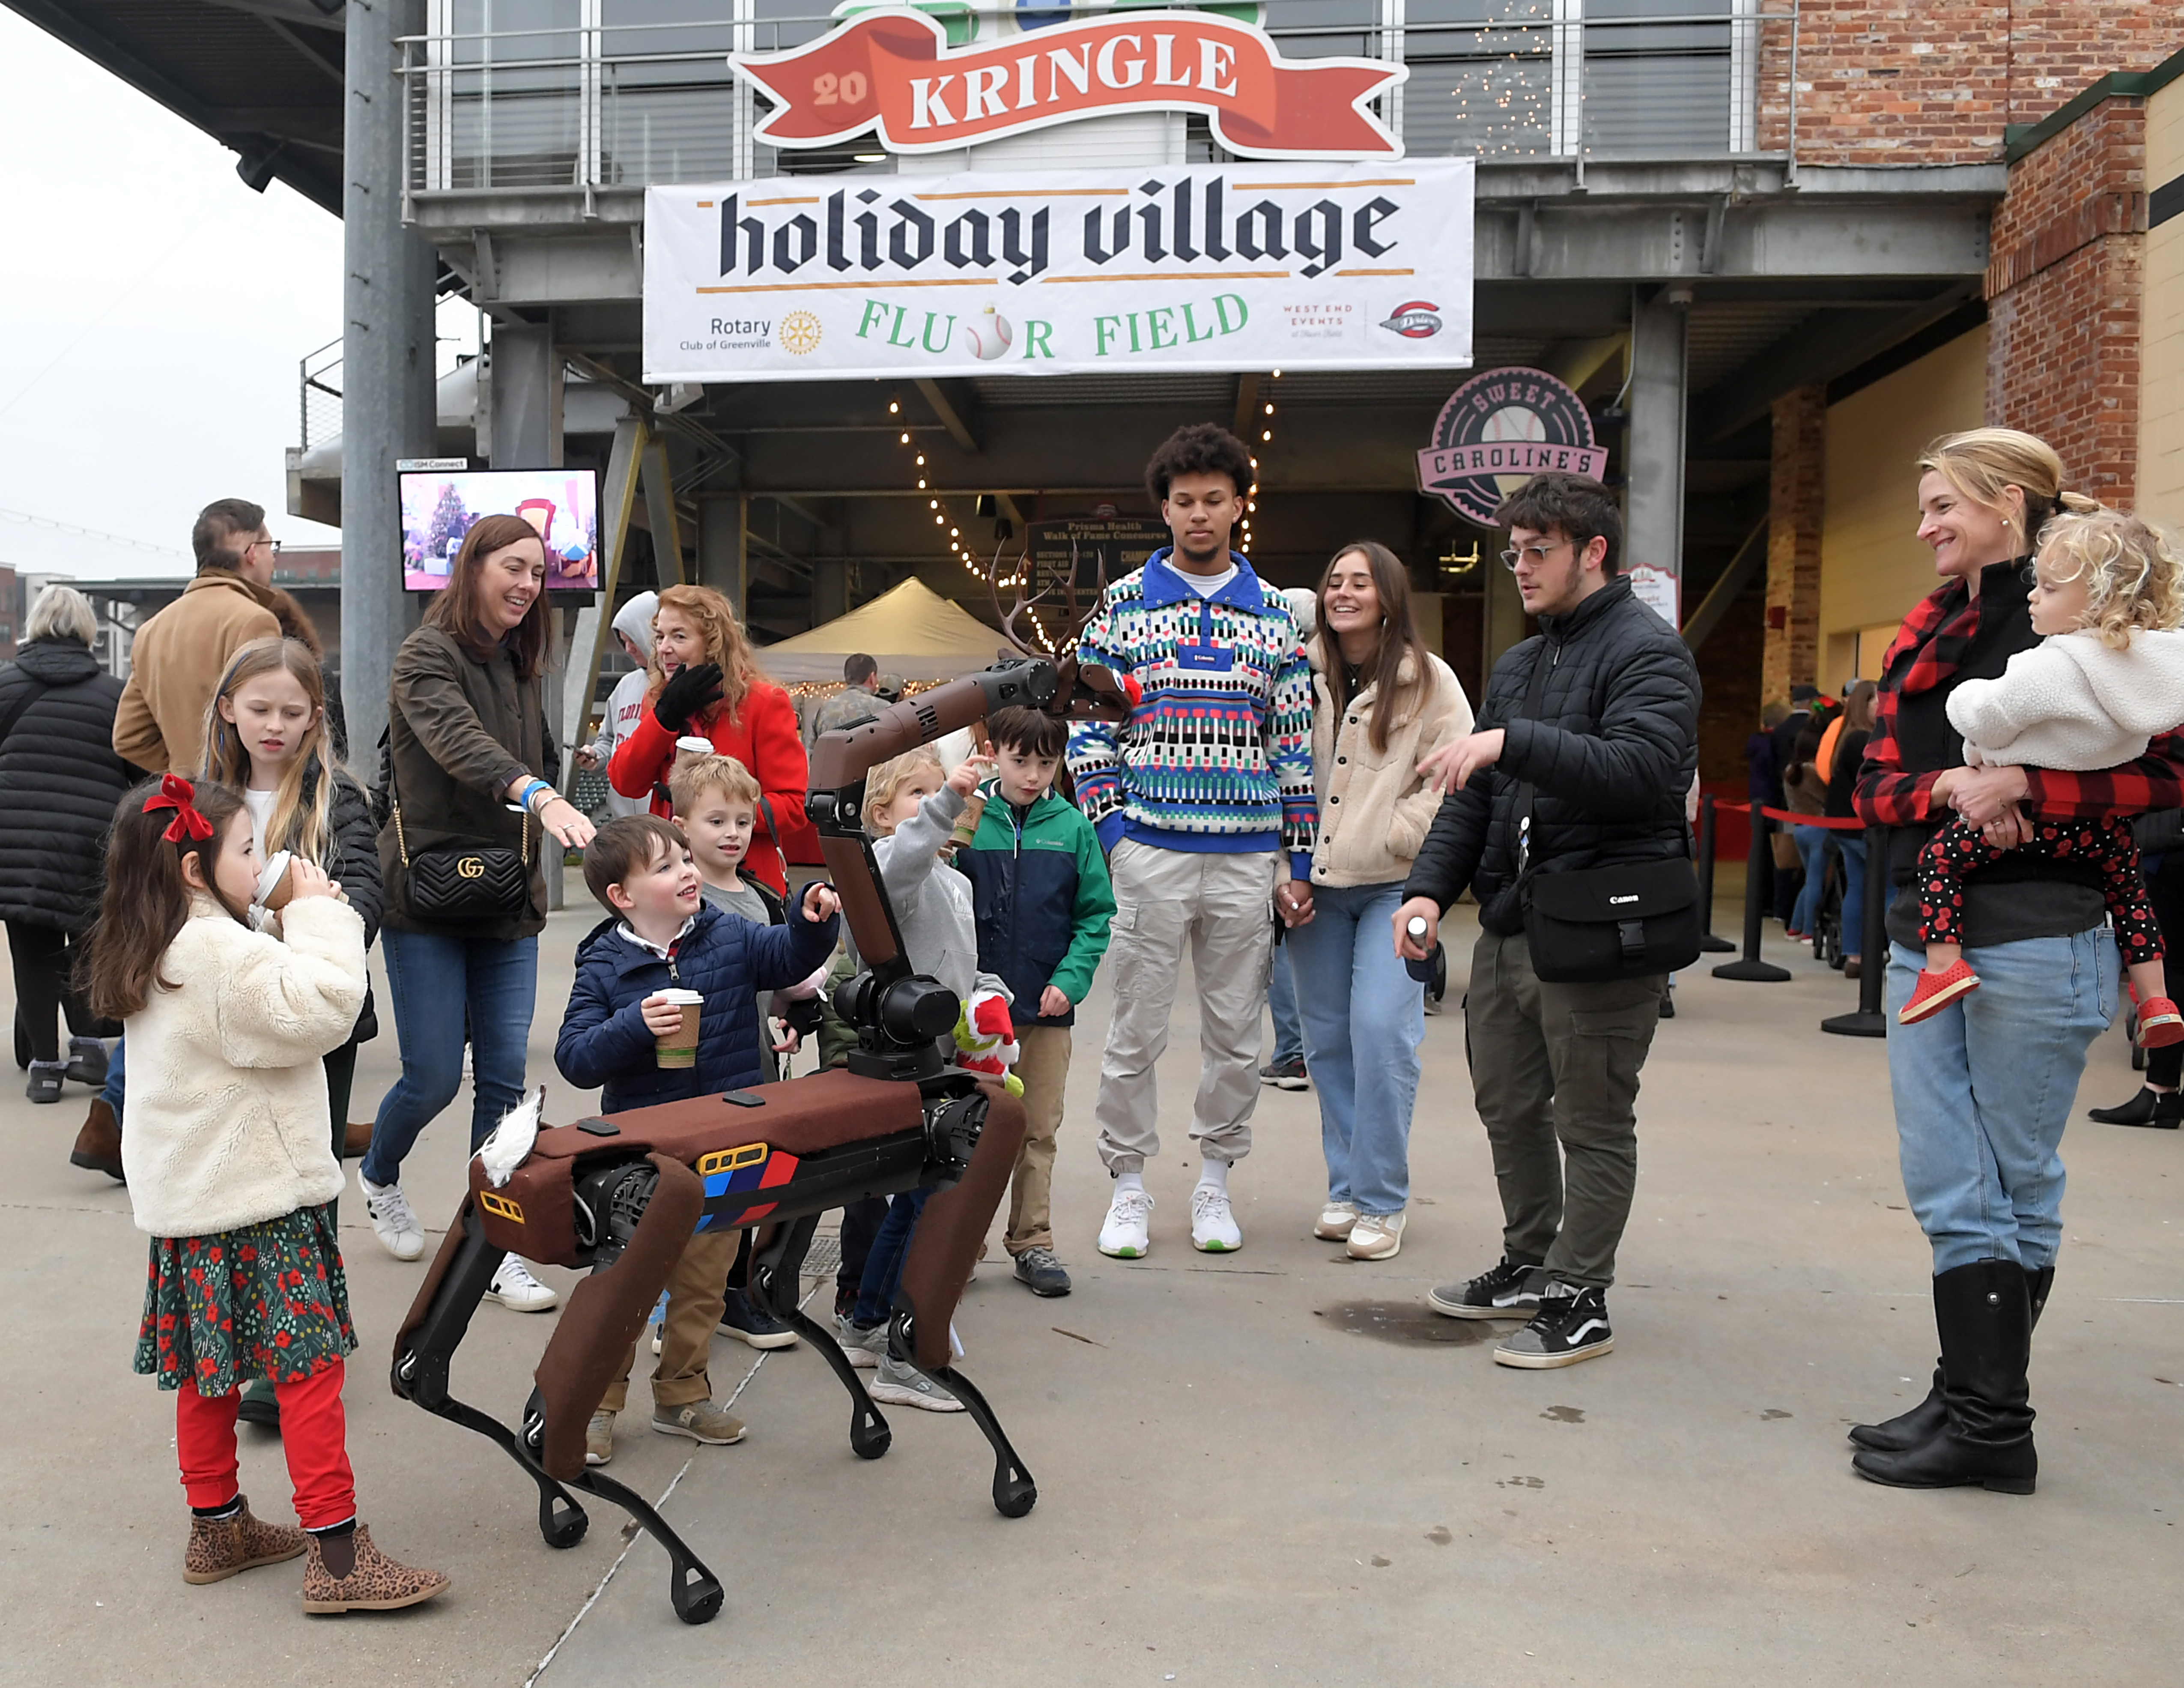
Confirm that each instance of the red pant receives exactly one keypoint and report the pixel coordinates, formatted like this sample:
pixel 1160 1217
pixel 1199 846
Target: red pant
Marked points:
pixel 314 1434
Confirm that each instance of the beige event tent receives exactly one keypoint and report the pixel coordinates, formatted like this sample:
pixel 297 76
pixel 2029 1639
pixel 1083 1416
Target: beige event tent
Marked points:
pixel 911 630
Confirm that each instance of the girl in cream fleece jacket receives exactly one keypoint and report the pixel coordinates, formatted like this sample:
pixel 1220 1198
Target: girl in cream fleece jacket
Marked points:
pixel 2109 595
pixel 229 1167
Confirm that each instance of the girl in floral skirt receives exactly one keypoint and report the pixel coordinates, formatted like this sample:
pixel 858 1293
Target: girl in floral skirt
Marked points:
pixel 231 1170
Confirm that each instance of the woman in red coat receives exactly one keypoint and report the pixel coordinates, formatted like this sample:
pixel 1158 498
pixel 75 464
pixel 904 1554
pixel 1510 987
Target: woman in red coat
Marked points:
pixel 705 683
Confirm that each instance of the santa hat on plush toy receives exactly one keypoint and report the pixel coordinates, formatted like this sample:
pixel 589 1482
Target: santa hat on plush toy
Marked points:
pixel 986 1040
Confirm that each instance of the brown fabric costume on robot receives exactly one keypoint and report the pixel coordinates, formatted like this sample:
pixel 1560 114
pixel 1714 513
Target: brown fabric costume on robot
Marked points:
pixel 898 1120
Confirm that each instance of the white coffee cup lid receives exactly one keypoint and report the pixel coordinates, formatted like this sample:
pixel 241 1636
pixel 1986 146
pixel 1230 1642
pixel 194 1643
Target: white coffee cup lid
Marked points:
pixel 680 997
pixel 695 745
pixel 270 875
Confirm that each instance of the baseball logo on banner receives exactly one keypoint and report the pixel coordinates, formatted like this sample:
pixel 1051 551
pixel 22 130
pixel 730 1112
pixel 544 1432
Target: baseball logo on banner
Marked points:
pixel 1499 429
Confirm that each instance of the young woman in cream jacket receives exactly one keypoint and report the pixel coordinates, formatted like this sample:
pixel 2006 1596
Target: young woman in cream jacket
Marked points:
pixel 1381 702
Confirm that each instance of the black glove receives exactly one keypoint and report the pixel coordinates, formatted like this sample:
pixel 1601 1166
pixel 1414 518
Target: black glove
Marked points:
pixel 687 692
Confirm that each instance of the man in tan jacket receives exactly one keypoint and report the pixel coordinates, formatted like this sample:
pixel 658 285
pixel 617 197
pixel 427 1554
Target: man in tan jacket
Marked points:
pixel 181 653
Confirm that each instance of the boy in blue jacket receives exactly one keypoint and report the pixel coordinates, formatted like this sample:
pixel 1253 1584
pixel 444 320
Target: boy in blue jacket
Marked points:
pixel 660 934
pixel 1043 901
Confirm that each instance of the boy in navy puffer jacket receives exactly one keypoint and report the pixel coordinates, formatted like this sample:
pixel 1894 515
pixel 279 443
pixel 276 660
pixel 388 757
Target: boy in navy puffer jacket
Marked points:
pixel 661 935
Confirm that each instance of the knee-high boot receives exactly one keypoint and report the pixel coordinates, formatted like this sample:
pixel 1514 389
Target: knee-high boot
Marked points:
pixel 1924 1422
pixel 1984 1313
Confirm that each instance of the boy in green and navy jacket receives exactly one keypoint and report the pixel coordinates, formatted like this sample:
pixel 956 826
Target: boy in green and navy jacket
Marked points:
pixel 1041 896
pixel 1204 801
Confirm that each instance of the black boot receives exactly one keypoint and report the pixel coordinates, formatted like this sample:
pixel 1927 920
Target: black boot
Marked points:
pixel 2138 1110
pixel 2160 1110
pixel 1924 1422
pixel 1984 1313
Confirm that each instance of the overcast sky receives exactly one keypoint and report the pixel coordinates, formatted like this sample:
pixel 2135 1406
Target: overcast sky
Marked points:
pixel 156 310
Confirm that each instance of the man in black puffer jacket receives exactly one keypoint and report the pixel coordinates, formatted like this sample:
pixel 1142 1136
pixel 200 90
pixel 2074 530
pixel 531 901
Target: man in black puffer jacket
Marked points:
pixel 1607 745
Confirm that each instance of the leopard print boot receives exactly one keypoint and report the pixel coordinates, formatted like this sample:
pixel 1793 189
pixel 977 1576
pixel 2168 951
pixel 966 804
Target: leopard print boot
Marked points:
pixel 374 1583
pixel 220 1547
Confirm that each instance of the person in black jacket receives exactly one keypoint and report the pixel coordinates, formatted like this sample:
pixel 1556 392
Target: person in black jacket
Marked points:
pixel 59 780
pixel 1584 748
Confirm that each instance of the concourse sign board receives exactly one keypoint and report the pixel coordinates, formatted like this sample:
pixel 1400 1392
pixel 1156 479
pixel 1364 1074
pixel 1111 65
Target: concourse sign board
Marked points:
pixel 1209 267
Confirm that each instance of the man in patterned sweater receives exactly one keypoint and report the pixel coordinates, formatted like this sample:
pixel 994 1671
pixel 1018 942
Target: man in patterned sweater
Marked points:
pixel 1203 800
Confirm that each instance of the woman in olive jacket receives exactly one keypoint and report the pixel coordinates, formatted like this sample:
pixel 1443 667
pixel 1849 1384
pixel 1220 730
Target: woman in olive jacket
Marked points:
pixel 1381 702
pixel 466 741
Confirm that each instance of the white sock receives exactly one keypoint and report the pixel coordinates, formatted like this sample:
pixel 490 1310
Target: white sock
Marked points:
pixel 1214 1174
pixel 1135 1181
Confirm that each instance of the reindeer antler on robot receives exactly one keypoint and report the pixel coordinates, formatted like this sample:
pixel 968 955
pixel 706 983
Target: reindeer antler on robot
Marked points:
pixel 621 1194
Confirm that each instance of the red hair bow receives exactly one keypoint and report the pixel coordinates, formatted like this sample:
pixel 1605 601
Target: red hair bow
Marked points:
pixel 178 794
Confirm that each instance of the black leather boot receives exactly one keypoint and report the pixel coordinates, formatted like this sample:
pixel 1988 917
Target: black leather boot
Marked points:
pixel 1984 1313
pixel 1924 1422
pixel 2138 1110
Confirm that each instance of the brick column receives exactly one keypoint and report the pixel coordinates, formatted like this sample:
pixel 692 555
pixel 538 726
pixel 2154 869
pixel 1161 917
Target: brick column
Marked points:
pixel 1797 496
pixel 2063 304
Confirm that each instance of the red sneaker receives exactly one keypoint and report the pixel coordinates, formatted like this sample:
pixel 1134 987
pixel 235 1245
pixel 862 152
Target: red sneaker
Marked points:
pixel 2159 1023
pixel 1937 991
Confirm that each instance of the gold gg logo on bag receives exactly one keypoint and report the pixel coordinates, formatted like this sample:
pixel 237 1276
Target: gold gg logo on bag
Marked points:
pixel 471 867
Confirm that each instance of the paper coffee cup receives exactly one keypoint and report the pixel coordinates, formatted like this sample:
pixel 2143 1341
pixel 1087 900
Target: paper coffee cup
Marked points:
pixel 966 823
pixel 274 883
pixel 679 1048
pixel 688 746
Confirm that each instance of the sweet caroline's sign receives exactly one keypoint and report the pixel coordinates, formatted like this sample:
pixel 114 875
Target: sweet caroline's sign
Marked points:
pixel 894 75
pixel 1498 431
pixel 1053 272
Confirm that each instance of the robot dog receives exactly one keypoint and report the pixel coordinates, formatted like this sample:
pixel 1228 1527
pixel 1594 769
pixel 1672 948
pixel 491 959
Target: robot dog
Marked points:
pixel 622 1196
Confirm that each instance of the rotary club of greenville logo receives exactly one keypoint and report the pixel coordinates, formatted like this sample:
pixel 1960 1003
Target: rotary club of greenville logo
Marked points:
pixel 800 331
pixel 1497 432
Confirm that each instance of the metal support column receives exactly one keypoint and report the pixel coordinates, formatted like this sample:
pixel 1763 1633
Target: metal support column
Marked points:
pixel 387 365
pixel 720 548
pixel 524 395
pixel 1655 520
pixel 526 434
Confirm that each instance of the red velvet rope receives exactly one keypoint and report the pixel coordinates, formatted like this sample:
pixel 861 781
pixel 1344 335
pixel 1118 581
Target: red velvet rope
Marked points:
pixel 1836 823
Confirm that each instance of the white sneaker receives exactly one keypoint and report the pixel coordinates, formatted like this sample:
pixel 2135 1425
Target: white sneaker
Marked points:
pixel 860 1348
pixel 1212 1226
pixel 901 1384
pixel 392 1222
pixel 514 1287
pixel 1123 1233
pixel 1376 1236
pixel 1335 1220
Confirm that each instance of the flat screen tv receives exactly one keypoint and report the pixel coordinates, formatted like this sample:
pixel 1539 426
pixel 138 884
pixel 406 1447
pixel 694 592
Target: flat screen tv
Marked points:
pixel 439 506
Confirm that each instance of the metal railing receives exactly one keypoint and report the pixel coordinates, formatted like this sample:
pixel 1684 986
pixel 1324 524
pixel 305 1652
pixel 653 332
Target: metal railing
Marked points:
pixel 596 94
pixel 319 395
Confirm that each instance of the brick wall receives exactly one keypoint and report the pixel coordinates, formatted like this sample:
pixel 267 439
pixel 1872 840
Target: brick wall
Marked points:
pixel 2064 299
pixel 1796 501
pixel 1934 81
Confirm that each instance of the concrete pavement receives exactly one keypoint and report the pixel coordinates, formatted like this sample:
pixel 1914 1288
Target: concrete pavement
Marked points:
pixel 1274 1466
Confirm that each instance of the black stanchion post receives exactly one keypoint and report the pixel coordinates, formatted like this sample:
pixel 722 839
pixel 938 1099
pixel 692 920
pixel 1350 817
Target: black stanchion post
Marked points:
pixel 1709 942
pixel 1869 1021
pixel 1749 965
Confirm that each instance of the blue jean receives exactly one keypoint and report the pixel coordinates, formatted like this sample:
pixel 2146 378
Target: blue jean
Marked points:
pixel 1364 1018
pixel 1812 850
pixel 1282 1004
pixel 1983 1088
pixel 434 983
pixel 883 1264
pixel 117 1083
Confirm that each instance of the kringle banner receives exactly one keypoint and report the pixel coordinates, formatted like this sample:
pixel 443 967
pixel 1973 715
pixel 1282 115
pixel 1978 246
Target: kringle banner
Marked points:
pixel 895 76
pixel 1046 272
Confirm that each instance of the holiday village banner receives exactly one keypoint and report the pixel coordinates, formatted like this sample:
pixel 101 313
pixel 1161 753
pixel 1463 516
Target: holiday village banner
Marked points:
pixel 1321 265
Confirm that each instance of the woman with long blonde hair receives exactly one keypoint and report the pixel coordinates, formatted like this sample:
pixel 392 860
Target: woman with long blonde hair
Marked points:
pixel 706 684
pixel 1983 1087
